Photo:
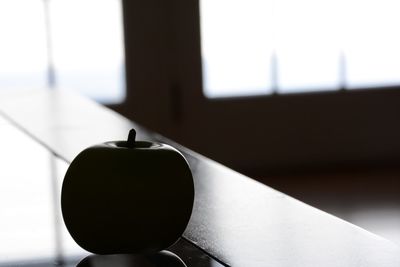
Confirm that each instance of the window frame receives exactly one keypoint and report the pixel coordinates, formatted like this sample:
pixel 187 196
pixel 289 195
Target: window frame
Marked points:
pixel 255 134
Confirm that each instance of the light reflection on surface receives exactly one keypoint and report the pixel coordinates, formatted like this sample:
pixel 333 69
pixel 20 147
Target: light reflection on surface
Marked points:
pixel 29 209
pixel 273 229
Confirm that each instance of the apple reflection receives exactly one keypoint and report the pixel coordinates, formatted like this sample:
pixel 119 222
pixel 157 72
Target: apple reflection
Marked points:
pixel 163 258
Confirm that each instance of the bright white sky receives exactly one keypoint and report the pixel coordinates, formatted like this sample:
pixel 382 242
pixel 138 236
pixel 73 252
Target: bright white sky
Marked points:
pixel 308 37
pixel 87 46
pixel 22 36
pixel 238 40
pixel 87 34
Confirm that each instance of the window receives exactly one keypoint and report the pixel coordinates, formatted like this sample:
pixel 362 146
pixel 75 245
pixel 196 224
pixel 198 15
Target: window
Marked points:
pixel 23 56
pixel 66 44
pixel 265 46
pixel 168 45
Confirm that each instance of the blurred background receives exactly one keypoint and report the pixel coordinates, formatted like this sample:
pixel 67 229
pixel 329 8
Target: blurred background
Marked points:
pixel 300 95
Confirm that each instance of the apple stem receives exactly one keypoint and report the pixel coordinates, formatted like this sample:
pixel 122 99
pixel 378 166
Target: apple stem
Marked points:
pixel 131 138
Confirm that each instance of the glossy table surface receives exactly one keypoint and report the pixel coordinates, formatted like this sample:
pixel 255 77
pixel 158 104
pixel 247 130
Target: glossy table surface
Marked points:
pixel 236 220
pixel 32 232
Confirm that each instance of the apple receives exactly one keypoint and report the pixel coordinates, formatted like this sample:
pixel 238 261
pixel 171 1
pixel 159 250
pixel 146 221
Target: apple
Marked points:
pixel 127 197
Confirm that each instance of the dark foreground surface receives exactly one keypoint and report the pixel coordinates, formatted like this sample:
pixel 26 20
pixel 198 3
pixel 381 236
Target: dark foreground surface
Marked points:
pixel 236 220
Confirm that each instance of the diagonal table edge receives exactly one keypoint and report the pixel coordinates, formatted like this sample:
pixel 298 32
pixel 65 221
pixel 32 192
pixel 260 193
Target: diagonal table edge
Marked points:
pixel 235 219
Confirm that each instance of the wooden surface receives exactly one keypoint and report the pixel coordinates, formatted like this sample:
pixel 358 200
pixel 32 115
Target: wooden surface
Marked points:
pixel 235 219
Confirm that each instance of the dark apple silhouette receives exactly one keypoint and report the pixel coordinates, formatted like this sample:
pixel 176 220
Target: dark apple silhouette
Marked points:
pixel 127 197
